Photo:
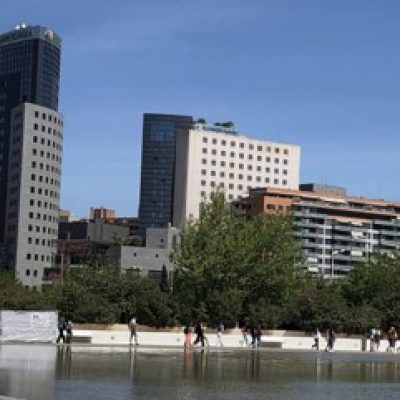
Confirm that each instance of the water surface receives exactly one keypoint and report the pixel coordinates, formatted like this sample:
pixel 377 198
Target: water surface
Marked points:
pixel 50 372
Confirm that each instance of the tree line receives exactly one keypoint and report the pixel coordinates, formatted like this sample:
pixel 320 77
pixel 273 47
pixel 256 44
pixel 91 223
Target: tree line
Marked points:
pixel 229 268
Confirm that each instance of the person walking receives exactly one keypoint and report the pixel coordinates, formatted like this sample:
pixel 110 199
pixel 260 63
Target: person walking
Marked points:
pixel 188 336
pixel 220 332
pixel 392 337
pixel 68 329
pixel 61 328
pixel 133 330
pixel 317 339
pixel 199 331
pixel 331 337
pixel 258 335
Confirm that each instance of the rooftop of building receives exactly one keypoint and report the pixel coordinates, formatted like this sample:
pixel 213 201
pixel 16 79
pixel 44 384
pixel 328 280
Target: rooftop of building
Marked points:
pixel 23 31
pixel 325 196
pixel 228 128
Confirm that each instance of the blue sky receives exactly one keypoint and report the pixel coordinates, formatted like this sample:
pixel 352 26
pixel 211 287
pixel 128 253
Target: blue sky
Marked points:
pixel 323 74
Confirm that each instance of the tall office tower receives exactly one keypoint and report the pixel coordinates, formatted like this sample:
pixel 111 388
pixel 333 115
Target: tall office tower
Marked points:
pixel 158 167
pixel 29 83
pixel 34 192
pixel 214 157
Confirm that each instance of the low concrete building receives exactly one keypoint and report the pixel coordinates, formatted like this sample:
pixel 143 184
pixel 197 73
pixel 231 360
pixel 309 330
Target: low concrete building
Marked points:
pixel 150 260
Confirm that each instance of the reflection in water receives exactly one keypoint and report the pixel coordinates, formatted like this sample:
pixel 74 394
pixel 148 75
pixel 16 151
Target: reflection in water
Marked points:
pixel 49 372
pixel 63 362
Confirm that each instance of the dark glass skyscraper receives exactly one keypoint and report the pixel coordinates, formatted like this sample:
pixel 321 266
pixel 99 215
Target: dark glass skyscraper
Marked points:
pixel 158 167
pixel 29 72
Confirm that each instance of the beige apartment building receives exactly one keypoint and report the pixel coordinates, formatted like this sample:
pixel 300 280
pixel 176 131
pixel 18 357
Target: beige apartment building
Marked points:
pixel 212 157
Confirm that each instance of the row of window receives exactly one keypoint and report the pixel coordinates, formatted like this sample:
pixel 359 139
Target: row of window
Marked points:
pixel 231 186
pixel 250 146
pixel 231 175
pixel 44 204
pixel 203 194
pixel 28 271
pixel 45 192
pixel 50 131
pixel 232 154
pixel 37 258
pixel 43 217
pixel 49 168
pixel 48 155
pixel 50 118
pixel 42 242
pixel 45 179
pixel 50 143
pixel 42 229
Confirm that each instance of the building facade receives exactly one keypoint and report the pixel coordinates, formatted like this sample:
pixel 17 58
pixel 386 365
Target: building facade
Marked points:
pixel 33 195
pixel 210 158
pixel 151 260
pixel 101 213
pixel 29 89
pixel 334 230
pixel 29 72
pixel 158 168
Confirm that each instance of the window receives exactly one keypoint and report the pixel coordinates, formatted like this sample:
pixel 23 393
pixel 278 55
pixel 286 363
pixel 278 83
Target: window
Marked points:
pixel 204 150
pixel 205 140
pixel 285 161
pixel 240 187
pixel 28 271
pixel 277 150
pixel 204 161
pixel 203 172
pixel 258 168
pixel 231 176
pixel 241 166
pixel 259 158
pixel 212 184
pixel 266 180
pixel 241 145
pixel 241 155
pixel 276 160
pixel 267 159
pixel 214 141
pixel 240 176
pixel 213 151
pixel 284 171
pixel 213 163
pixel 28 256
pixel 223 153
pixel 251 146
pixel 249 178
pixel 212 173
pixel 35 127
pixel 233 144
pixel 286 151
pixel 223 142
pixel 259 148
pixel 222 174
pixel 284 182
pixel 276 181
pixel 249 167
pixel 203 183
pixel 250 156
pixel 203 193
pixel 276 171
pixel 232 154
pixel 34 138
pixel 231 186
pixel 258 179
pixel 222 163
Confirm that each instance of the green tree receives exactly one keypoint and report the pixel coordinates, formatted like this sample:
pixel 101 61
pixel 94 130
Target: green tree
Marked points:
pixel 228 265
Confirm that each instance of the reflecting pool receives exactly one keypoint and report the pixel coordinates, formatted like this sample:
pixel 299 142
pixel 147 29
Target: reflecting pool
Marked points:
pixel 50 372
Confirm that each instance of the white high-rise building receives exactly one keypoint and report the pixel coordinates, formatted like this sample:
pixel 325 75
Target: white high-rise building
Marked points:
pixel 210 157
pixel 33 195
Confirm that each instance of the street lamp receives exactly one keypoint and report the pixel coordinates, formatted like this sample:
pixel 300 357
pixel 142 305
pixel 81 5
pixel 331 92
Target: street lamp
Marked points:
pixel 335 252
